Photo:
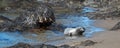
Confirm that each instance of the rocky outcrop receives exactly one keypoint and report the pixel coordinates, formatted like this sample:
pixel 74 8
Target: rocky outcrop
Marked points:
pixel 41 16
pixel 5 23
pixel 116 27
pixel 112 13
pixel 25 45
pixel 88 43
pixel 21 45
pixel 16 5
pixel 106 9
pixel 31 16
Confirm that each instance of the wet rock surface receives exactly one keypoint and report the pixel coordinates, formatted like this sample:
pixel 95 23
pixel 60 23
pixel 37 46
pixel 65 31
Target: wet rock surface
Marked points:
pixel 112 13
pixel 41 16
pixel 88 43
pixel 60 6
pixel 67 46
pixel 105 9
pixel 36 15
pixel 24 45
pixel 5 23
pixel 21 45
pixel 116 27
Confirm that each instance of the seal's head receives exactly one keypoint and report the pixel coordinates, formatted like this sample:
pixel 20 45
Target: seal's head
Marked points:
pixel 74 31
pixel 80 30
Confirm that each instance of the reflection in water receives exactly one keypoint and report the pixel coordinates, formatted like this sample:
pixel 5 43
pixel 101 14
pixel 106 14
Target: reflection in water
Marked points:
pixel 9 38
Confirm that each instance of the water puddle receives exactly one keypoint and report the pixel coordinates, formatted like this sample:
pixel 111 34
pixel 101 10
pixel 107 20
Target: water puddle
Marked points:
pixel 53 37
pixel 9 38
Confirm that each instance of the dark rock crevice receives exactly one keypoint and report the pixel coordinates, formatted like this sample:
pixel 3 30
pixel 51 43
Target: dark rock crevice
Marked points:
pixel 116 27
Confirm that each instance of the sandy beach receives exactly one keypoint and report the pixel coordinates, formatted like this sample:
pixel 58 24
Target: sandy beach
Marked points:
pixel 106 39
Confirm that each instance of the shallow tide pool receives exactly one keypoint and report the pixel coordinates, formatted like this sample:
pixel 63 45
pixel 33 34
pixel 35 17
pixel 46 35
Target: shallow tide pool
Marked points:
pixel 53 37
pixel 11 38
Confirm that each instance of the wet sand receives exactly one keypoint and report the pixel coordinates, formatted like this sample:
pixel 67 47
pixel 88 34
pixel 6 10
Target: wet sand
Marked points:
pixel 105 39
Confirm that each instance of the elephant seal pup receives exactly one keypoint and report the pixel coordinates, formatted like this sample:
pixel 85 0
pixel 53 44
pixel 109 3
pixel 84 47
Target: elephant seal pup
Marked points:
pixel 74 31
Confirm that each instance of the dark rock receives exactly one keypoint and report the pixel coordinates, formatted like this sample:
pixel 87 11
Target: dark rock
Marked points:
pixel 20 3
pixel 48 46
pixel 88 43
pixel 116 27
pixel 112 11
pixel 24 45
pixel 67 46
pixel 21 45
pixel 5 23
pixel 5 18
pixel 38 46
pixel 37 15
pixel 64 46
pixel 57 27
pixel 44 46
